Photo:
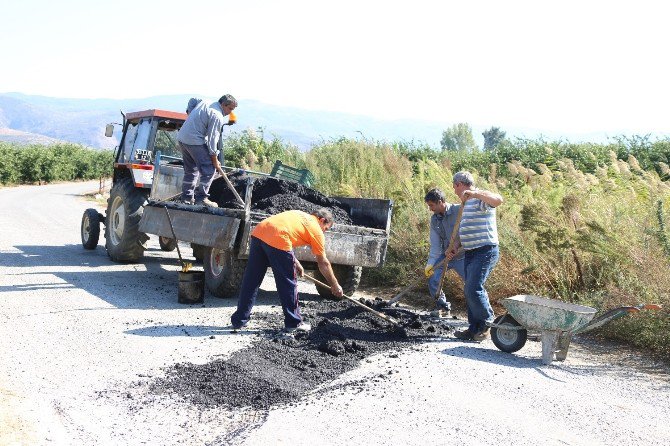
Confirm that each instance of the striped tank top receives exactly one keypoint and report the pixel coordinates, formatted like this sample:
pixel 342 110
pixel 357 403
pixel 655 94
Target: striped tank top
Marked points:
pixel 478 225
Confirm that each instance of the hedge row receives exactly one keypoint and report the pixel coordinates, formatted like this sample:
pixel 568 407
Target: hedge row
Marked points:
pixel 60 162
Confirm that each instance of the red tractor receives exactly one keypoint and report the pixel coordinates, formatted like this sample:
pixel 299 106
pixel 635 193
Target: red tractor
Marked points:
pixel 147 136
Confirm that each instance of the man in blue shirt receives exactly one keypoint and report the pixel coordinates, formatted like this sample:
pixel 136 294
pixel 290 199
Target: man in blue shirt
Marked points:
pixel 478 236
pixel 442 224
pixel 199 143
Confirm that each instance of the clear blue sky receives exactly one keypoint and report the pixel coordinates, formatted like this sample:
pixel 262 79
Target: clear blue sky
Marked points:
pixel 568 66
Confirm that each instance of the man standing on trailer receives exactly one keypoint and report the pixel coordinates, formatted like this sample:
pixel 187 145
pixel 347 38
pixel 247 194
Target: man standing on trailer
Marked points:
pixel 271 244
pixel 199 143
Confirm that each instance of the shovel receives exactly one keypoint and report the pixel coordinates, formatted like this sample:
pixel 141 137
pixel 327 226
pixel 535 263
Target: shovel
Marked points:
pixel 365 307
pixel 442 262
pixel 231 187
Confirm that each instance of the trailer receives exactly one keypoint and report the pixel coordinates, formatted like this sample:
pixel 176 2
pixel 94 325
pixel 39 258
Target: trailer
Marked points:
pixel 148 175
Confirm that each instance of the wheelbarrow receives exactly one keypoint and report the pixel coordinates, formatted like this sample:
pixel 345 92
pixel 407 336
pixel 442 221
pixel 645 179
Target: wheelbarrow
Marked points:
pixel 556 321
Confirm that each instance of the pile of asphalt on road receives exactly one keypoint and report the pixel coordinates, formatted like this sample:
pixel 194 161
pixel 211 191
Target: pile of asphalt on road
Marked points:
pixel 273 195
pixel 278 370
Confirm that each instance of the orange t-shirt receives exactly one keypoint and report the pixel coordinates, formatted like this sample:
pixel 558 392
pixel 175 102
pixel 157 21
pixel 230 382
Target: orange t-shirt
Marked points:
pixel 290 229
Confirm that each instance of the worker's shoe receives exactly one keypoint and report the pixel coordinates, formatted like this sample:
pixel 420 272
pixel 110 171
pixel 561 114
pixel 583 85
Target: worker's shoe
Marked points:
pixel 440 313
pixel 185 200
pixel 442 308
pixel 206 202
pixel 467 335
pixel 303 327
pixel 482 335
pixel 442 304
pixel 237 327
pixel 464 335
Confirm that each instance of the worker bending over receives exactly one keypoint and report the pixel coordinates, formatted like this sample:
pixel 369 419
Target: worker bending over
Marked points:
pixel 271 244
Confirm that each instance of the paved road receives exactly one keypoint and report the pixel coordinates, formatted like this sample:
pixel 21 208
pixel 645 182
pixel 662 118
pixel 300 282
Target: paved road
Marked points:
pixel 79 335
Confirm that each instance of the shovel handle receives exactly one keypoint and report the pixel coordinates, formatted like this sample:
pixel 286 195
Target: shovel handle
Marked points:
pixel 408 288
pixel 184 265
pixel 375 312
pixel 231 187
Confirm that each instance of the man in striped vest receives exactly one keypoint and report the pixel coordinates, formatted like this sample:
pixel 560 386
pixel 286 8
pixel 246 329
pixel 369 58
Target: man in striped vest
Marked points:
pixel 478 237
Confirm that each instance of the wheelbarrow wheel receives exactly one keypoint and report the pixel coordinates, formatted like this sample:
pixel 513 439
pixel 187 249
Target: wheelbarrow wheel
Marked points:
pixel 511 340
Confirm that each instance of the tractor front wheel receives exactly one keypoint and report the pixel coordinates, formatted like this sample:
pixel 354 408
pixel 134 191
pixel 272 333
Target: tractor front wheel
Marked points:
pixel 90 228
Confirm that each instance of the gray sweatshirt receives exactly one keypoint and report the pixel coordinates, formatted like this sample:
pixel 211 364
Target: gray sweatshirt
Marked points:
pixel 203 127
pixel 441 227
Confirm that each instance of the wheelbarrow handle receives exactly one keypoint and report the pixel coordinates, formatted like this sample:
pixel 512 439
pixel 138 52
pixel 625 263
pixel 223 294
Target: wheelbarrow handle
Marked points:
pixel 614 314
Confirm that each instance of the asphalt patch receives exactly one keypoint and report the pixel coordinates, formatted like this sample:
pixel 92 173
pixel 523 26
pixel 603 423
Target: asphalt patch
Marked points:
pixel 278 370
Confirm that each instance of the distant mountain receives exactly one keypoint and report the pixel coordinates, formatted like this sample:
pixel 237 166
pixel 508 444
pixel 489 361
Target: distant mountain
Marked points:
pixel 83 120
pixel 20 137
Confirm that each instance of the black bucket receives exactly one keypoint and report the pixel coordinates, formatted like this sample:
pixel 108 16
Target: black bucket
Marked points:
pixel 191 287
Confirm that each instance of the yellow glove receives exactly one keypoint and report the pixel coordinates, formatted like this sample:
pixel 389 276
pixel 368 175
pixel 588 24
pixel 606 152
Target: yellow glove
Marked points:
pixel 429 271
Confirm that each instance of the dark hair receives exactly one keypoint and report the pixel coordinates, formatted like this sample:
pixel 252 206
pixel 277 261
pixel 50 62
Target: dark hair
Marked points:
pixel 228 99
pixel 192 103
pixel 325 214
pixel 435 195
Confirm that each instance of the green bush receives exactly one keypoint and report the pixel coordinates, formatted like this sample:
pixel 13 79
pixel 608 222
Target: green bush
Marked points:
pixel 60 162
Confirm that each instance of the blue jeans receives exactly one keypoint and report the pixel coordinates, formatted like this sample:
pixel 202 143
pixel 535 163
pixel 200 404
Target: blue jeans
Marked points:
pixel 478 265
pixel 197 166
pixel 434 280
pixel 262 255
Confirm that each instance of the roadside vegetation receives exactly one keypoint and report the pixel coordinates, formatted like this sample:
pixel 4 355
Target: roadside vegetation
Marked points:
pixel 584 223
pixel 37 164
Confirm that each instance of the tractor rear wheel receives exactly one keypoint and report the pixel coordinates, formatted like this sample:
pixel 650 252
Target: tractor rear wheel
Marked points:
pixel 349 277
pixel 125 242
pixel 223 272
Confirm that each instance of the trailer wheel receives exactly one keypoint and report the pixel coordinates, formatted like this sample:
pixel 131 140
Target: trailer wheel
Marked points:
pixel 198 252
pixel 349 277
pixel 223 272
pixel 90 228
pixel 167 244
pixel 125 242
pixel 508 341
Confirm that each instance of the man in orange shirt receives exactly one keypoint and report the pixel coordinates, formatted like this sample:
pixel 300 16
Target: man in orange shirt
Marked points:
pixel 271 244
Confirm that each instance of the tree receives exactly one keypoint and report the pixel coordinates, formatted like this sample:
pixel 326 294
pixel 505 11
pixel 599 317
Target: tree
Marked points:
pixel 458 137
pixel 493 137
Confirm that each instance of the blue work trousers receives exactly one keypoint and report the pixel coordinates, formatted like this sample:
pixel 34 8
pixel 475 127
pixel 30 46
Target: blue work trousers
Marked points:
pixel 262 255
pixel 479 263
pixel 197 166
pixel 434 280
